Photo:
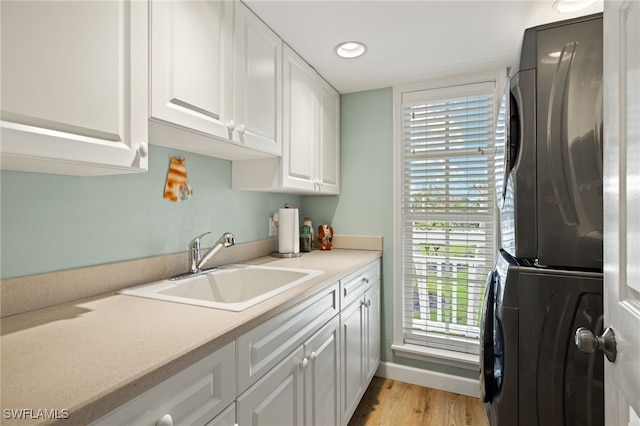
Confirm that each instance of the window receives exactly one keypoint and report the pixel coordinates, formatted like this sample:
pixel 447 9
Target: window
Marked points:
pixel 445 222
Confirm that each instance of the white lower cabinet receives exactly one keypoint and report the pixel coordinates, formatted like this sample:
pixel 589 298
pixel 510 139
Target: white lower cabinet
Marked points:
pixel 360 336
pixel 278 397
pixel 310 365
pixel 194 396
pixel 372 326
pixel 261 349
pixel 226 418
pixel 302 389
pixel 352 326
pixel 322 376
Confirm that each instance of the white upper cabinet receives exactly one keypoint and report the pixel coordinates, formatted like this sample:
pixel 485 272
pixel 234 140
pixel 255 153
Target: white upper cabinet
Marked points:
pixel 328 144
pixel 74 86
pixel 257 83
pixel 300 123
pixel 311 151
pixel 226 91
pixel 191 65
pixel 310 162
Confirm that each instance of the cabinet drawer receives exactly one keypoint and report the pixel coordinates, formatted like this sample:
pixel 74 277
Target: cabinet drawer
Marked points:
pixel 263 347
pixel 193 396
pixel 356 283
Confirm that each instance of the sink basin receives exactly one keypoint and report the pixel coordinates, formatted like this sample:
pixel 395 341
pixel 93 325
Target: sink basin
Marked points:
pixel 232 287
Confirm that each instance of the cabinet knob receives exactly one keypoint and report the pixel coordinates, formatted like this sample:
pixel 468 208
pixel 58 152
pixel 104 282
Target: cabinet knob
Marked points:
pixel 304 362
pixel 241 129
pixel 231 125
pixel 365 280
pixel 313 356
pixel 143 150
pixel 166 420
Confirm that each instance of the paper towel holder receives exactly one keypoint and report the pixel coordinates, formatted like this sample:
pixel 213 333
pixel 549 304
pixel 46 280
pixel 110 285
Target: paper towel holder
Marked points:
pixel 290 254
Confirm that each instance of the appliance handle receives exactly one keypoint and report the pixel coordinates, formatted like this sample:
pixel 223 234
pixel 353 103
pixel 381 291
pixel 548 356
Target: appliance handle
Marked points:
pixel 514 135
pixel 487 357
pixel 557 144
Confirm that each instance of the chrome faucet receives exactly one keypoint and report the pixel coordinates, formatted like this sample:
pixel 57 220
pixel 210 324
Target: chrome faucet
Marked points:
pixel 196 260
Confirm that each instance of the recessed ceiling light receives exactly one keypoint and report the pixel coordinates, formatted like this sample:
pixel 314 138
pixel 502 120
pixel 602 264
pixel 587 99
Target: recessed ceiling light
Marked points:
pixel 568 6
pixel 351 49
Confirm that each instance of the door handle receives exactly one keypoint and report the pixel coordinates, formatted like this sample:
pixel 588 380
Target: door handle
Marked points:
pixel 587 342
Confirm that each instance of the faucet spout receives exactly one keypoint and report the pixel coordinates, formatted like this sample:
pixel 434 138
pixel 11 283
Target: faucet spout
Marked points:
pixel 226 240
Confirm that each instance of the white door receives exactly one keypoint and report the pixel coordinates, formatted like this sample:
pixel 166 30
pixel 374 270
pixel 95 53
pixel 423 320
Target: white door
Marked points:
pixel 257 83
pixel 74 87
pixel 328 175
pixel 372 316
pixel 299 103
pixel 191 65
pixel 322 376
pixel 352 354
pixel 622 208
pixel 277 398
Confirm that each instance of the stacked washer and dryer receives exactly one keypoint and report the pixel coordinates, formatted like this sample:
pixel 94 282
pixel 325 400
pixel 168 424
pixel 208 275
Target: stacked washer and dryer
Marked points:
pixel 547 281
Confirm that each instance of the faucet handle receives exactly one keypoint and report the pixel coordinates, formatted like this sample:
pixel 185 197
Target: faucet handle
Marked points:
pixel 196 240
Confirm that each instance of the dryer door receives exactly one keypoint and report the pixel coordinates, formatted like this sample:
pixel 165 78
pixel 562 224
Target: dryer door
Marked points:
pixel 517 198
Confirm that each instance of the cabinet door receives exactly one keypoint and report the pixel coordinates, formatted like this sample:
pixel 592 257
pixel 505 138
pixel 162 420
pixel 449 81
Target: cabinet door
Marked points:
pixel 322 376
pixel 299 139
pixel 226 418
pixel 191 64
pixel 74 86
pixel 328 174
pixel 372 321
pixel 352 358
pixel 257 83
pixel 277 398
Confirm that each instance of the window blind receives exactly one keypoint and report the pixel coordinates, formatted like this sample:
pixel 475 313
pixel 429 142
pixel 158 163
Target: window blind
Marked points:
pixel 448 191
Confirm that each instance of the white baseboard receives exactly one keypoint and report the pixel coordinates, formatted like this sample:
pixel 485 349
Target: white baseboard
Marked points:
pixel 430 379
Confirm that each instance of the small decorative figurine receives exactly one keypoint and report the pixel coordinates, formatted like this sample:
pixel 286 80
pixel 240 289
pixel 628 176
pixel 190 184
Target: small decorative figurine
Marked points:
pixel 325 236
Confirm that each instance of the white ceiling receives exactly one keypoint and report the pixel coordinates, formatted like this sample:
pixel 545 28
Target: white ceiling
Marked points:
pixel 408 41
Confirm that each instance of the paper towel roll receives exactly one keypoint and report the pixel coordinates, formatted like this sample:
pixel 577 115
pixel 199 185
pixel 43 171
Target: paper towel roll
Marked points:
pixel 289 231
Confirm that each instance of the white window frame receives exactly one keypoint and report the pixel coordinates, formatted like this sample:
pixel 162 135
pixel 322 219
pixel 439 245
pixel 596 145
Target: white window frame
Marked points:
pixel 401 349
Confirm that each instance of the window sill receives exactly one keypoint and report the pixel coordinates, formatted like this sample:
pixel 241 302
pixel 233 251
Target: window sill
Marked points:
pixel 438 356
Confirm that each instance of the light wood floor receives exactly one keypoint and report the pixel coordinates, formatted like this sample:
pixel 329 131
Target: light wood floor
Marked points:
pixel 390 403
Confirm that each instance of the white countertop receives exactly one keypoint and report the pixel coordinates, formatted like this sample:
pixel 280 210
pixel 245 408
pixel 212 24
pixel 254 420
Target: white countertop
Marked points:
pixel 92 355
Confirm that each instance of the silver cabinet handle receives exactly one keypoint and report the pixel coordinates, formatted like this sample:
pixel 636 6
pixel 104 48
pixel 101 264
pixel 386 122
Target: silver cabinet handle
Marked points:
pixel 166 420
pixel 304 363
pixel 587 342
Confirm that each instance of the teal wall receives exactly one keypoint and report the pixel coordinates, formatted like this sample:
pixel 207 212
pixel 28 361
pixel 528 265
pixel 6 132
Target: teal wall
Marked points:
pixel 52 222
pixel 364 206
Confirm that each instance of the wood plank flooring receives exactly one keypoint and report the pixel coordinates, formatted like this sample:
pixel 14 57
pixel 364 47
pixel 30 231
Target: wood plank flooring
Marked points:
pixel 390 403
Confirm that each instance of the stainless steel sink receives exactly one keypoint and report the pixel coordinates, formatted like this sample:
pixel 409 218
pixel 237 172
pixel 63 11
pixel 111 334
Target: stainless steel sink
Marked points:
pixel 232 287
